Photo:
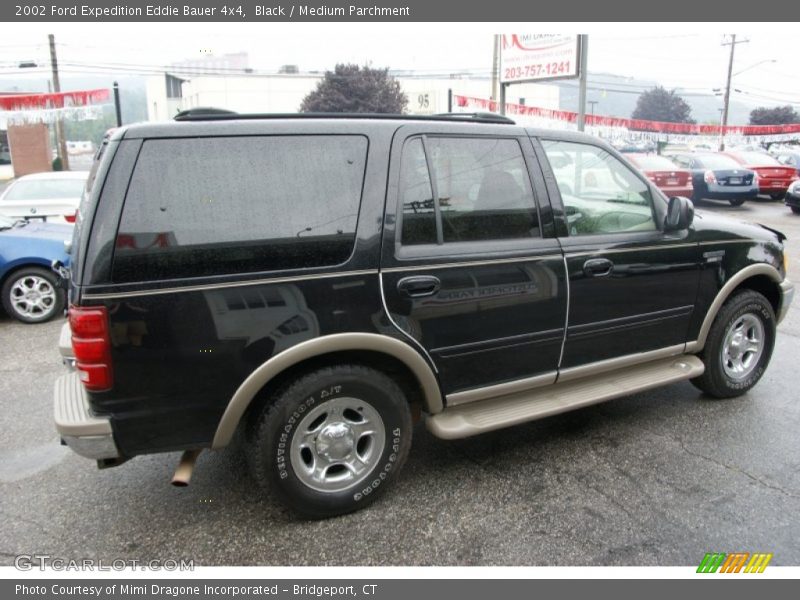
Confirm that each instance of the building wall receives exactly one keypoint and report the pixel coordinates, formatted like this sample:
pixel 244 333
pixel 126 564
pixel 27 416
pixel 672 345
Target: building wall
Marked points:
pixel 30 149
pixel 159 106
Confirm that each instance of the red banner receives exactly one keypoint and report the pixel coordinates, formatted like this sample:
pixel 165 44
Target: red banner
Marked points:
pixel 631 124
pixel 52 101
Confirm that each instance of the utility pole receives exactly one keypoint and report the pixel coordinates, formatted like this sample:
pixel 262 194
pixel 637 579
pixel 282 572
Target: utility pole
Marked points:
pixel 495 66
pixel 727 99
pixel 118 108
pixel 61 143
pixel 584 53
pixel 592 103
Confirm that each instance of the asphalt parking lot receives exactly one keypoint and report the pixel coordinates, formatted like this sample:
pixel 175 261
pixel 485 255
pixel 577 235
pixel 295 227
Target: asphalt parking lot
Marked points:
pixel 658 478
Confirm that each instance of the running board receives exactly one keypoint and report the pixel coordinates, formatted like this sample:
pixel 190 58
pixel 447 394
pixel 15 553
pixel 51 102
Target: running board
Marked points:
pixel 488 415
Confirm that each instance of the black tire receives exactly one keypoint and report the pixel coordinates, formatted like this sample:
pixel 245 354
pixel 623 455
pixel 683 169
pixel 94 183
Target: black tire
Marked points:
pixel 275 430
pixel 736 201
pixel 41 309
pixel 716 381
pixel 778 196
pixel 795 209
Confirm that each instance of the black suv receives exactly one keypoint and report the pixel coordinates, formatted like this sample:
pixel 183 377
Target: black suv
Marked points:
pixel 319 283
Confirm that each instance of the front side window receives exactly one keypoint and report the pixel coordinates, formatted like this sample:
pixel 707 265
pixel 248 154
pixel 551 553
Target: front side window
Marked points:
pixel 600 193
pixel 209 206
pixel 465 190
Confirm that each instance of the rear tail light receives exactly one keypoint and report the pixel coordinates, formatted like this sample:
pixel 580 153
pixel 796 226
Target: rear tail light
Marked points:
pixel 709 177
pixel 71 218
pixel 91 344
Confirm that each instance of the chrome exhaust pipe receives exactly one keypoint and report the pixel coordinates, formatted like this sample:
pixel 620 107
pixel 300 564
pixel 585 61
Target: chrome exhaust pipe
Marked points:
pixel 183 474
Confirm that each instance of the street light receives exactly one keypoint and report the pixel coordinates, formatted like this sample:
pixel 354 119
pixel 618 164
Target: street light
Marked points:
pixel 761 62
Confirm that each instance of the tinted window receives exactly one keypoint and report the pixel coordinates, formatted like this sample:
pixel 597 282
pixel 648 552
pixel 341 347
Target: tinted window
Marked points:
pixel 483 191
pixel 757 159
pixel 653 162
pixel 208 206
pixel 599 192
pixel 46 189
pixel 718 161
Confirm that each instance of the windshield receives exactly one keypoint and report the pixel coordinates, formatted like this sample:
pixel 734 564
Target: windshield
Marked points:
pixel 653 162
pixel 46 189
pixel 718 161
pixel 757 159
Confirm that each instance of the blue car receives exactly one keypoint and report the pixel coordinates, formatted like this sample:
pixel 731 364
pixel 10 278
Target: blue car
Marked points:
pixel 31 291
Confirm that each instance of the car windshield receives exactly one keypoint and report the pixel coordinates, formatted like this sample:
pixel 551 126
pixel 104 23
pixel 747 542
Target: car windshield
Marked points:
pixel 45 189
pixel 758 159
pixel 653 162
pixel 718 161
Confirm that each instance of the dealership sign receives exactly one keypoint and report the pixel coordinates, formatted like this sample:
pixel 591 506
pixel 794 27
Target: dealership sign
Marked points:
pixel 538 57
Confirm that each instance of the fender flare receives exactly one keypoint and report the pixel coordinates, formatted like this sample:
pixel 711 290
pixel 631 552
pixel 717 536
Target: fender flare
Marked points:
pixel 338 342
pixel 735 281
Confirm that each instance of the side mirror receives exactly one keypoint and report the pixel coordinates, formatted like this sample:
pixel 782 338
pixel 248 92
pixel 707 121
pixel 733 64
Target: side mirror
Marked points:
pixel 680 214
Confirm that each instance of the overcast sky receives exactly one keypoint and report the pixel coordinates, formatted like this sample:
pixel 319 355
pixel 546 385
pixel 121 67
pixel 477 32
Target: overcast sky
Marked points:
pixel 680 55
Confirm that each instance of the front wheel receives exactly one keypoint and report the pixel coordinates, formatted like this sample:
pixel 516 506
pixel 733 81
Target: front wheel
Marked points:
pixel 738 347
pixel 332 441
pixel 777 196
pixel 32 295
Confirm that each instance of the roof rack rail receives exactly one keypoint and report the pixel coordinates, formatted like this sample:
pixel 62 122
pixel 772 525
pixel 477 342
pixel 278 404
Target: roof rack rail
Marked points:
pixel 220 114
pixel 202 112
pixel 483 117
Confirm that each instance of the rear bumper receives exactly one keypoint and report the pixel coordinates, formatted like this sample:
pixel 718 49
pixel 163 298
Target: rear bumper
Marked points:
pixel 718 192
pixel 85 433
pixel 787 295
pixel 677 191
pixel 791 200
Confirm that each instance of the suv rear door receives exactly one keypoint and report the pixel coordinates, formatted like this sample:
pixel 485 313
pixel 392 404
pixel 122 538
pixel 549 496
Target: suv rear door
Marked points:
pixel 632 286
pixel 471 270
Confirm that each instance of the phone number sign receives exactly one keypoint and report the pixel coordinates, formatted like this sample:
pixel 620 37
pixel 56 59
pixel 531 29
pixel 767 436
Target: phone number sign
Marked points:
pixel 538 56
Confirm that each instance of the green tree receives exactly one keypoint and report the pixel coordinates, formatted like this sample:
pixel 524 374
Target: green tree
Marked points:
pixel 778 115
pixel 350 88
pixel 660 104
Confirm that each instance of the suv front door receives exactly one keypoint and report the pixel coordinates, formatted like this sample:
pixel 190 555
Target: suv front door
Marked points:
pixel 632 286
pixel 471 270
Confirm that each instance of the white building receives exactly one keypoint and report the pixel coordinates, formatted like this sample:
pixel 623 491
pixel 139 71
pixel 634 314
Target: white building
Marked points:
pixel 284 92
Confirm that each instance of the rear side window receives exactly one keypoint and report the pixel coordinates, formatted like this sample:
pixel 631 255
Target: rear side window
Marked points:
pixel 465 190
pixel 208 206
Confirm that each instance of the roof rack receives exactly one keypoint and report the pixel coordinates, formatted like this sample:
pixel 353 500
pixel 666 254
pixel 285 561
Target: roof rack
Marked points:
pixel 481 116
pixel 220 114
pixel 202 112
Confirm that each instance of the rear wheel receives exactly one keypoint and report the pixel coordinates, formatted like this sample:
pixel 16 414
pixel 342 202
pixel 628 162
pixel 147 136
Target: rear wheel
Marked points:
pixel 332 441
pixel 795 209
pixel 32 295
pixel 738 347
pixel 736 201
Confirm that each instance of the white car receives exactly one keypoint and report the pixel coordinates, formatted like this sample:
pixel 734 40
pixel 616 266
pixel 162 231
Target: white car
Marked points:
pixel 52 197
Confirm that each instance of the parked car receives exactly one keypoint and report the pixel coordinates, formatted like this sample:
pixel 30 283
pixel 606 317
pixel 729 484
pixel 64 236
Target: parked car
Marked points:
pixel 773 177
pixel 716 176
pixel 792 198
pixel 52 196
pixel 790 159
pixel 670 179
pixel 31 291
pixel 318 284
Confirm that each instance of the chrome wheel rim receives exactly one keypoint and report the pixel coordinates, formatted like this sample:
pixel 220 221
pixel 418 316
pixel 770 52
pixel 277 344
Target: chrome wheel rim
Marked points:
pixel 743 346
pixel 33 297
pixel 337 444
